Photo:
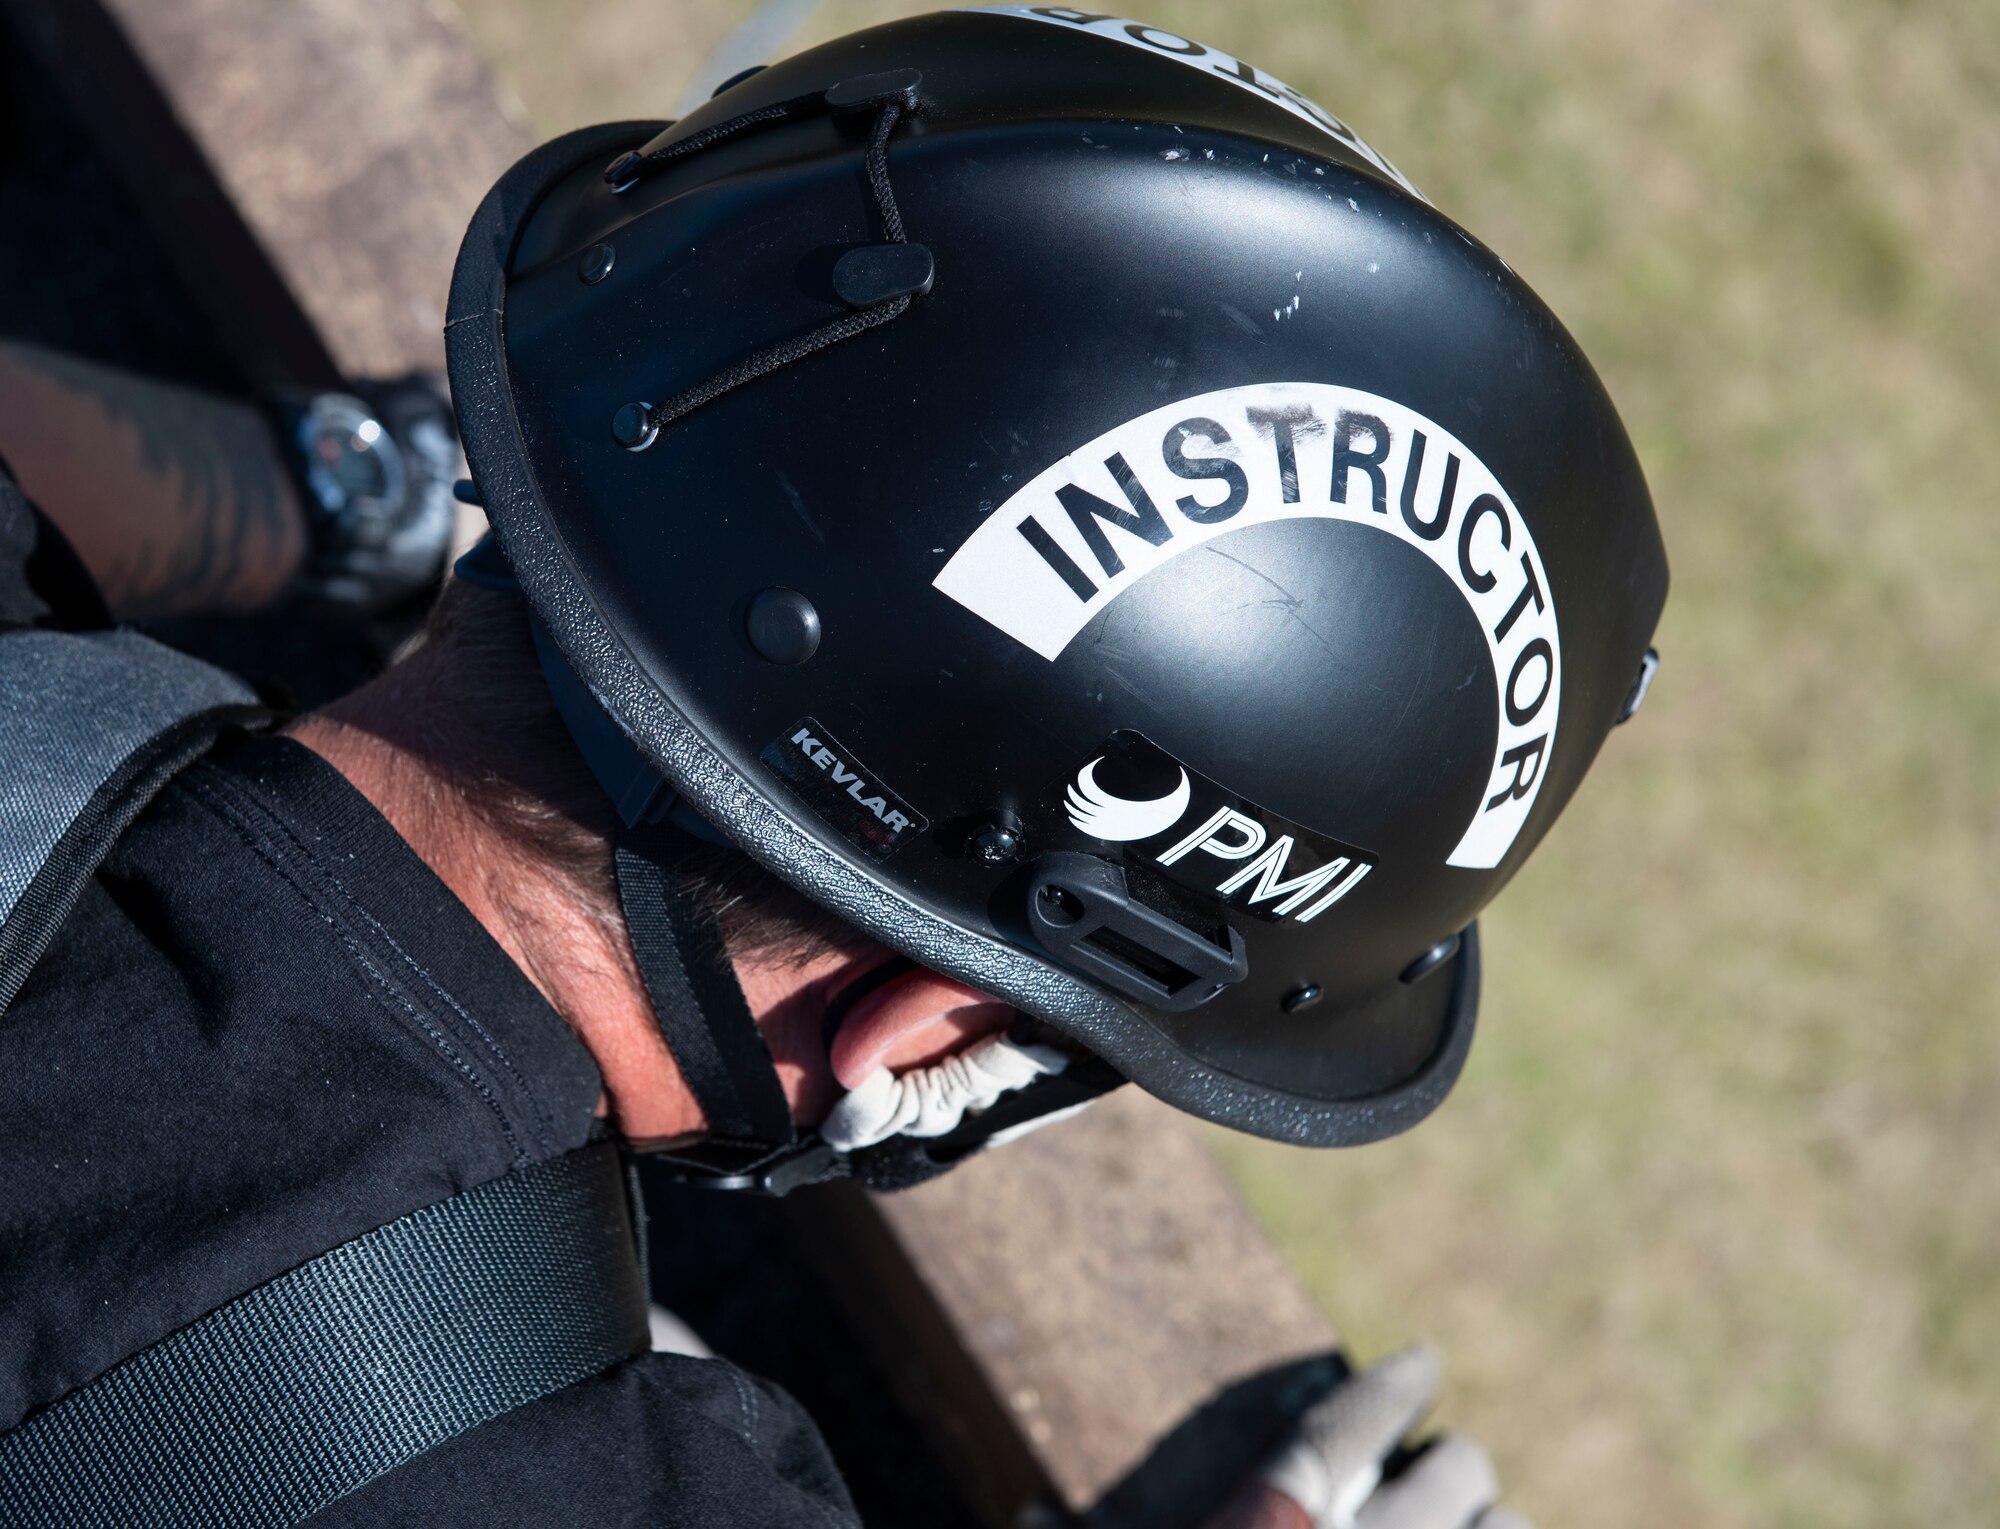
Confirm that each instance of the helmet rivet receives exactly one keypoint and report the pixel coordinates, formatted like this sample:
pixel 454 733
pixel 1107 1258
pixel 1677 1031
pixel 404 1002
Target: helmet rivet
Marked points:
pixel 632 427
pixel 782 626
pixel 1431 959
pixel 1060 906
pixel 996 842
pixel 622 174
pixel 596 263
pixel 1301 998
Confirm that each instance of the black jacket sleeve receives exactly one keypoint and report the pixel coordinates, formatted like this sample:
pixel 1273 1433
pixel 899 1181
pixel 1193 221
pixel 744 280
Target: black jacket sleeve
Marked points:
pixel 266 1029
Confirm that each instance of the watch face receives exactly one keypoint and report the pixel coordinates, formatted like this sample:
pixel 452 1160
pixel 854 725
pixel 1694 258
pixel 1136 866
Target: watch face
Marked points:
pixel 352 465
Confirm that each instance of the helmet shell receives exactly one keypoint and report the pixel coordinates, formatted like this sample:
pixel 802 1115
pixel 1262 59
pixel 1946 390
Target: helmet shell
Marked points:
pixel 1304 442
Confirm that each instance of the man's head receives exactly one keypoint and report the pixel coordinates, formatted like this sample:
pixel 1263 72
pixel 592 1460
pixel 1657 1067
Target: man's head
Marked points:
pixel 1066 505
pixel 462 747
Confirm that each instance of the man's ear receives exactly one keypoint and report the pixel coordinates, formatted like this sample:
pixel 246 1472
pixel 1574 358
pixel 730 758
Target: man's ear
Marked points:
pixel 915 1020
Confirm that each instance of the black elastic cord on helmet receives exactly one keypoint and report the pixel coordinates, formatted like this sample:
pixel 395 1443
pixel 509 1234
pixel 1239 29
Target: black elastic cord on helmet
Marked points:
pixel 894 97
pixel 878 171
pixel 634 165
pixel 782 354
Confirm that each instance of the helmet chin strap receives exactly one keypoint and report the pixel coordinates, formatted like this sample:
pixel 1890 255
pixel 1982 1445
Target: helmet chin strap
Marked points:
pixel 697 1001
pixel 753 1143
pixel 699 1007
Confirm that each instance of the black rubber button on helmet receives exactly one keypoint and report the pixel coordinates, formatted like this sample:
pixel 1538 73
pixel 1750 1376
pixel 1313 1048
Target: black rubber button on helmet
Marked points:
pixel 783 626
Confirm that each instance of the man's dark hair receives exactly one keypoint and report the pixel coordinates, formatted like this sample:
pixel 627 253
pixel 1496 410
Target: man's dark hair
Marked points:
pixel 484 719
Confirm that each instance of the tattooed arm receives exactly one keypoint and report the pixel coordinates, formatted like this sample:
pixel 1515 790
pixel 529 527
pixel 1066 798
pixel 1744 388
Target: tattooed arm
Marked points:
pixel 176 500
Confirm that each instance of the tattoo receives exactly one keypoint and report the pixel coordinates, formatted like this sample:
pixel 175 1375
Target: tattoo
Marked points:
pixel 177 500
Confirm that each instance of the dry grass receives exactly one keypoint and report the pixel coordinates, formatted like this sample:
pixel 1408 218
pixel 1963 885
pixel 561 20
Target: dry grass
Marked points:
pixel 1711 1230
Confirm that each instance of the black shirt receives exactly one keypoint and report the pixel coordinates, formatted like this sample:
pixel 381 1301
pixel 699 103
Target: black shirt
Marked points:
pixel 266 1029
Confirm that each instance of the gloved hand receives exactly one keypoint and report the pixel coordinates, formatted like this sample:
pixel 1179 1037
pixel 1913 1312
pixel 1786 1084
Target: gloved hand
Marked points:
pixel 1333 1469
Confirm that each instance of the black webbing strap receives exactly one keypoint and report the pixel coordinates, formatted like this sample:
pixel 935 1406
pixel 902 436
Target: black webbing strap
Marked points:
pixel 700 1008
pixel 288 1398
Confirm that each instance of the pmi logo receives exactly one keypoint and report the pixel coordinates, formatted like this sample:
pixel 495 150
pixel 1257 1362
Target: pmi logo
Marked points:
pixel 1135 795
pixel 1231 836
pixel 1095 811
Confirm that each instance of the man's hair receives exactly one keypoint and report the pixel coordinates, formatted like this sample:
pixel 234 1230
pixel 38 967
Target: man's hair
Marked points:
pixel 495 734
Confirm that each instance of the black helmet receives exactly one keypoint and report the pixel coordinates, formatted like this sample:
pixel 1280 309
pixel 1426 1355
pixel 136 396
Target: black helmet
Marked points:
pixel 1060 500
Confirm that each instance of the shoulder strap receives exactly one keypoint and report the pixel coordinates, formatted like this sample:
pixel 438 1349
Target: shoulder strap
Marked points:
pixel 92 725
pixel 309 1387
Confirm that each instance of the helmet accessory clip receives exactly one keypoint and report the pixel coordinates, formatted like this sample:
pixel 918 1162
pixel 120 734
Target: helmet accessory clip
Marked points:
pixel 1085 915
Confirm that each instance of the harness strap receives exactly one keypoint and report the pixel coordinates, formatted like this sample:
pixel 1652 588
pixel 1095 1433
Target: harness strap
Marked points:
pixel 309 1387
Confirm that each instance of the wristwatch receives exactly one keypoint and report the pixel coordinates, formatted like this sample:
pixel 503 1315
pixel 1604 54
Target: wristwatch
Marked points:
pixel 375 467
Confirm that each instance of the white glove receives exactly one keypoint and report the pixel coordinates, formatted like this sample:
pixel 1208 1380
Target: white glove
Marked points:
pixel 1333 1468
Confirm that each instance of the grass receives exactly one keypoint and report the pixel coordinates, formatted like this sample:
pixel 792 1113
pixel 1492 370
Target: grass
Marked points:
pixel 1710 1232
